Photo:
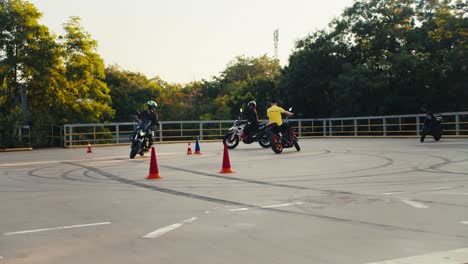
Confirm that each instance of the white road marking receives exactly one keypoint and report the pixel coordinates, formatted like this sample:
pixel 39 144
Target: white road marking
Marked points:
pixel 280 205
pixel 441 188
pixel 54 228
pixel 453 193
pixel 239 209
pixel 91 159
pixel 390 193
pixel 169 228
pixel 264 206
pixel 457 256
pixel 464 222
pixel 415 204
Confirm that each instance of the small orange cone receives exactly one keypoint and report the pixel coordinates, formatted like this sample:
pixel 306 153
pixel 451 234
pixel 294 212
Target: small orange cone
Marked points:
pixel 226 163
pixel 197 147
pixel 189 149
pixel 90 149
pixel 153 170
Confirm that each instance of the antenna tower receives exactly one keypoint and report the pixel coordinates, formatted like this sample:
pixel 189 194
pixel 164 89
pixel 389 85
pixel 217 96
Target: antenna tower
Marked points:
pixel 276 39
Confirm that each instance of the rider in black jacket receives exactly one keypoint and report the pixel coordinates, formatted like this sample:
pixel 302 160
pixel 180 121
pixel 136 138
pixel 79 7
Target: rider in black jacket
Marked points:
pixel 150 115
pixel 251 116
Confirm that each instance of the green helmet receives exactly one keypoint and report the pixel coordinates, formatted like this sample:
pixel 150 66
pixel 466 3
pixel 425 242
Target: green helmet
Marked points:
pixel 151 105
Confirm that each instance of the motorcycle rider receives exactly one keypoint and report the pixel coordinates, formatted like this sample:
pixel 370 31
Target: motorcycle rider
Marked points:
pixel 252 119
pixel 274 117
pixel 150 115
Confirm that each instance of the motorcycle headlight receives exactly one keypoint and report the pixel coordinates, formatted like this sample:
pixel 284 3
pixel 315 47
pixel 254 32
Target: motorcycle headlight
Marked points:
pixel 142 133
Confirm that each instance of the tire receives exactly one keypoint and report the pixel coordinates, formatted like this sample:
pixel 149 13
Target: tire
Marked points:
pixel 231 144
pixel 135 148
pixel 264 141
pixel 422 137
pixel 437 137
pixel 276 144
pixel 296 145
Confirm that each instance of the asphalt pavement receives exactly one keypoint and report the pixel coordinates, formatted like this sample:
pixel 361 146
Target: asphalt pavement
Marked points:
pixel 335 201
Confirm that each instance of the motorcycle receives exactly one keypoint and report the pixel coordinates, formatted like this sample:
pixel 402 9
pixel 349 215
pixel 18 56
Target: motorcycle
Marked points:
pixel 278 141
pixel 432 126
pixel 140 139
pixel 236 133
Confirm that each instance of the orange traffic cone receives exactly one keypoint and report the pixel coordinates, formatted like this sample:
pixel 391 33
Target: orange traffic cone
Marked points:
pixel 226 163
pixel 189 149
pixel 197 147
pixel 90 149
pixel 153 170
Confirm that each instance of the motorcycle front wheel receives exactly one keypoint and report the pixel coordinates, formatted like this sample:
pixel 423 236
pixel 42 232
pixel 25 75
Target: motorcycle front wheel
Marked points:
pixel 231 141
pixel 135 148
pixel 296 144
pixel 437 137
pixel 422 137
pixel 264 141
pixel 276 144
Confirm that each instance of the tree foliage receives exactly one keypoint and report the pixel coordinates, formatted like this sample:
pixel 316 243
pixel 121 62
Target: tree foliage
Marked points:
pixel 378 57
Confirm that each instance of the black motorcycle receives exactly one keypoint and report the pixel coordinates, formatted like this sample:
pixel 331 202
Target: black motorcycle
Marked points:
pixel 432 126
pixel 280 140
pixel 140 139
pixel 237 132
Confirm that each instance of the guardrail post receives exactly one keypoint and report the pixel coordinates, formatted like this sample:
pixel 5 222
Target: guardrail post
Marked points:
pixel 417 125
pixel 201 131
pixel 355 128
pixel 324 128
pixel 117 134
pixel 457 125
pixel 299 127
pixel 384 122
pixel 330 129
pixel 160 132
pixel 71 136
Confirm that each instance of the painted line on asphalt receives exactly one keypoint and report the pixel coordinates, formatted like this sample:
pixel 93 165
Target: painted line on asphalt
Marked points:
pixel 90 159
pixel 54 228
pixel 239 209
pixel 280 205
pixel 464 222
pixel 169 228
pixel 265 206
pixel 457 256
pixel 441 188
pixel 391 193
pixel 415 204
pixel 453 193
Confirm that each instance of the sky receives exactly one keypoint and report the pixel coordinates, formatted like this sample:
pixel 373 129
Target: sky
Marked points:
pixel 183 41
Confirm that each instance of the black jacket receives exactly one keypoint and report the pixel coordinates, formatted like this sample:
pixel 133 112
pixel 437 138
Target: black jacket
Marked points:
pixel 149 116
pixel 251 115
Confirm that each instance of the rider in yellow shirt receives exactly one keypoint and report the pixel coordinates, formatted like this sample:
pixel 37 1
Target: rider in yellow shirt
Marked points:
pixel 274 116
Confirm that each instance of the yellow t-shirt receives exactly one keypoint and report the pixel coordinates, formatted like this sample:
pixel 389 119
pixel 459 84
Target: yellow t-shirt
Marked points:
pixel 274 114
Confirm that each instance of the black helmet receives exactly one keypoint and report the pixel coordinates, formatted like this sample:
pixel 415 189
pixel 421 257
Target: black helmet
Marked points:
pixel 252 104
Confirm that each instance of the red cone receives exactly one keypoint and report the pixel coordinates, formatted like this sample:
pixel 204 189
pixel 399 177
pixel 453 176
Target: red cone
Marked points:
pixel 153 170
pixel 90 150
pixel 226 163
pixel 189 149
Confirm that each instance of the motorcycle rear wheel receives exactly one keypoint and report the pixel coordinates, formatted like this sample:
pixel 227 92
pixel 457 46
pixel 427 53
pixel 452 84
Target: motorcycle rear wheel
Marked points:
pixel 276 144
pixel 437 137
pixel 231 143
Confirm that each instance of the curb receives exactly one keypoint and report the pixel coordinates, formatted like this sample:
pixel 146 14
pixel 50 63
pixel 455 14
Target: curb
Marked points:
pixel 15 149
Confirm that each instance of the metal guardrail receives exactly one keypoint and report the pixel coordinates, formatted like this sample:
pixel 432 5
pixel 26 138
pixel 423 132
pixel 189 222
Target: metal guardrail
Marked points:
pixel 455 125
